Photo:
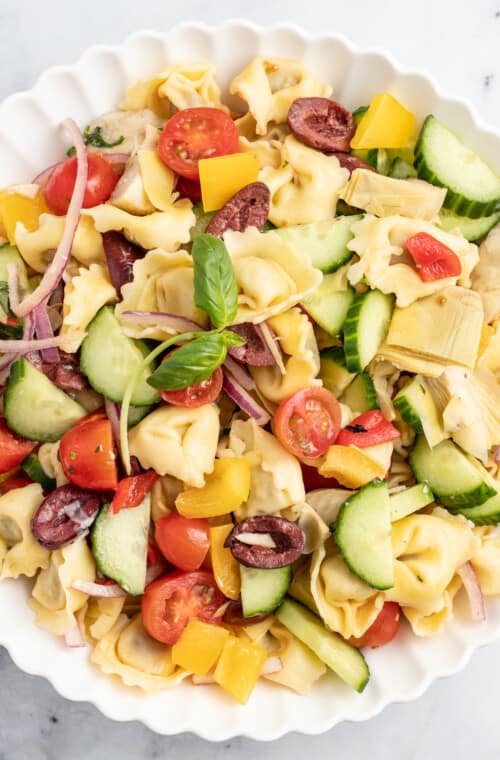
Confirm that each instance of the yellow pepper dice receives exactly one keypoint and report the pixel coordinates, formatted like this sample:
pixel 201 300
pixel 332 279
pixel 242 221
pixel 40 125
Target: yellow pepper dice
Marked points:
pixel 199 646
pixel 225 568
pixel 221 177
pixel 239 667
pixel 350 466
pixel 225 489
pixel 15 208
pixel 386 124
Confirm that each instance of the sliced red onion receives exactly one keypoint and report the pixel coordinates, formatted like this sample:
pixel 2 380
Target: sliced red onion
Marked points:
pixel 473 591
pixel 268 338
pixel 13 285
pixel 74 638
pixel 25 346
pixel 161 319
pixel 496 454
pixel 240 374
pixel 240 396
pixel 271 665
pixel 57 266
pixel 101 590
pixel 44 331
pixel 113 411
pixel 42 178
pixel 154 571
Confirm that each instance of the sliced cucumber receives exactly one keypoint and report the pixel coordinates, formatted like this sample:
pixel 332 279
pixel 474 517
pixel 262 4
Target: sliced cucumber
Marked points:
pixel 137 413
pixel 263 590
pixel 325 243
pixel 471 229
pixel 359 113
pixel 361 395
pixel 328 305
pixel 487 513
pixel 35 471
pixel 410 500
pixel 120 545
pixel 363 535
pixel 332 370
pixel 202 220
pixel 108 358
pixel 442 159
pixel 416 406
pixel 401 169
pixel 10 255
pixel 35 407
pixel 456 479
pixel 346 661
pixel 365 328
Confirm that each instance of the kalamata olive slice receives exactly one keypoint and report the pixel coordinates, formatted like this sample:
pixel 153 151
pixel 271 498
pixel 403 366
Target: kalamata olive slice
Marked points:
pixel 249 207
pixel 120 257
pixel 255 350
pixel 286 538
pixel 64 515
pixel 233 615
pixel 351 162
pixel 321 123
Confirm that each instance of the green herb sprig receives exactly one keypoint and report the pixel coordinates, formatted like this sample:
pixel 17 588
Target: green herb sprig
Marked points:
pixel 96 139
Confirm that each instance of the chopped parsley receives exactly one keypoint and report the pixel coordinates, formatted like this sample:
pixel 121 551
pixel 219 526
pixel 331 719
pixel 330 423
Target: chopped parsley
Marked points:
pixel 96 139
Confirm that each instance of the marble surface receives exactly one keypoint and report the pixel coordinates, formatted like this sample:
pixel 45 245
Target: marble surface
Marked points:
pixel 458 43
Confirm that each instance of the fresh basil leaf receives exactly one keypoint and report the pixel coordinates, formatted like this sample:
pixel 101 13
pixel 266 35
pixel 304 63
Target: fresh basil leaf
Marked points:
pixel 191 363
pixel 231 339
pixel 215 288
pixel 10 332
pixel 4 299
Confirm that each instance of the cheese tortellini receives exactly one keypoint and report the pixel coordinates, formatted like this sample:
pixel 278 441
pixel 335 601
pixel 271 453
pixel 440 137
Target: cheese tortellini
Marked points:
pixel 97 617
pixel 178 441
pixel 296 338
pixel 83 297
pixel 20 554
pixel 37 248
pixel 486 560
pixel 48 456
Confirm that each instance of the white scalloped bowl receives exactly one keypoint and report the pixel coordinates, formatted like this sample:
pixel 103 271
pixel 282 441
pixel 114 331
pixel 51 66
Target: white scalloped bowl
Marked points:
pixel 29 141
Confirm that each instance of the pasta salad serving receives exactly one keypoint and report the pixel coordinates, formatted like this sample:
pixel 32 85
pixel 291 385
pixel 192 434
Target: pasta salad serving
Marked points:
pixel 249 381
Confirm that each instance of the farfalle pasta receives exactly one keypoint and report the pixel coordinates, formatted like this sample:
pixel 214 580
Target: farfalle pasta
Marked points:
pixel 37 247
pixel 22 555
pixel 83 297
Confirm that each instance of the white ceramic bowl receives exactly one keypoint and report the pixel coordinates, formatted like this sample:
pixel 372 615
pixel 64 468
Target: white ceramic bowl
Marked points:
pixel 29 141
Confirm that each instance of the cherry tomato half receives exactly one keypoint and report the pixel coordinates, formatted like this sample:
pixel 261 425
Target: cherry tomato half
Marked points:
pixel 183 541
pixel 17 479
pixel 382 630
pixel 13 448
pixel 101 181
pixel 308 422
pixel 196 395
pixel 369 429
pixel 195 133
pixel 87 455
pixel 169 602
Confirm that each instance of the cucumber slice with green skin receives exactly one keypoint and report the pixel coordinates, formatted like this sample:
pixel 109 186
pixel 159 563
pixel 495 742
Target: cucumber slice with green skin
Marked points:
pixel 120 545
pixel 35 407
pixel 108 358
pixel 332 370
pixel 263 590
pixel 456 479
pixel 442 159
pixel 343 209
pixel 10 255
pixel 35 471
pixel 361 395
pixel 410 500
pixel 401 169
pixel 328 306
pixel 359 113
pixel 346 661
pixel 416 406
pixel 363 535
pixel 471 229
pixel 202 220
pixel 137 413
pixel 324 242
pixel 366 327
pixel 487 513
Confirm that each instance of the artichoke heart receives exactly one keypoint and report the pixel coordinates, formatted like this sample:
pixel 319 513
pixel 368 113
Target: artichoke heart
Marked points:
pixel 384 196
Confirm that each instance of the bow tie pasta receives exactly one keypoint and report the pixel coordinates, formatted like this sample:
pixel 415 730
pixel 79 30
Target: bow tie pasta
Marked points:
pixel 21 554
pixel 270 85
pixel 162 282
pixel 37 248
pixel 83 297
pixel 97 616
pixel 296 339
pixel 270 274
pixel 383 261
pixel 306 187
pixel 486 275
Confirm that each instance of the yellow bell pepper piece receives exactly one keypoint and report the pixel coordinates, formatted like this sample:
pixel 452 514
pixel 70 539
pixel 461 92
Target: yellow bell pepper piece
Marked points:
pixel 350 466
pixel 221 177
pixel 239 667
pixel 15 208
pixel 386 124
pixel 199 646
pixel 225 489
pixel 225 568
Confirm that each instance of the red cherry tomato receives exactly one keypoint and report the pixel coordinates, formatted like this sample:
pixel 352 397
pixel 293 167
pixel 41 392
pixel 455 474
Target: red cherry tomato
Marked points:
pixel 196 395
pixel 13 448
pixel 169 602
pixel 188 189
pixel 87 455
pixel 433 259
pixel 183 541
pixel 132 491
pixel 18 479
pixel 313 480
pixel 101 181
pixel 369 429
pixel 195 133
pixel 382 630
pixel 308 422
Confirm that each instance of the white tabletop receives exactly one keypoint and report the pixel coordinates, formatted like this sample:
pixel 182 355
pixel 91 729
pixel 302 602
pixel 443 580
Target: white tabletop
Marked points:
pixel 458 43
